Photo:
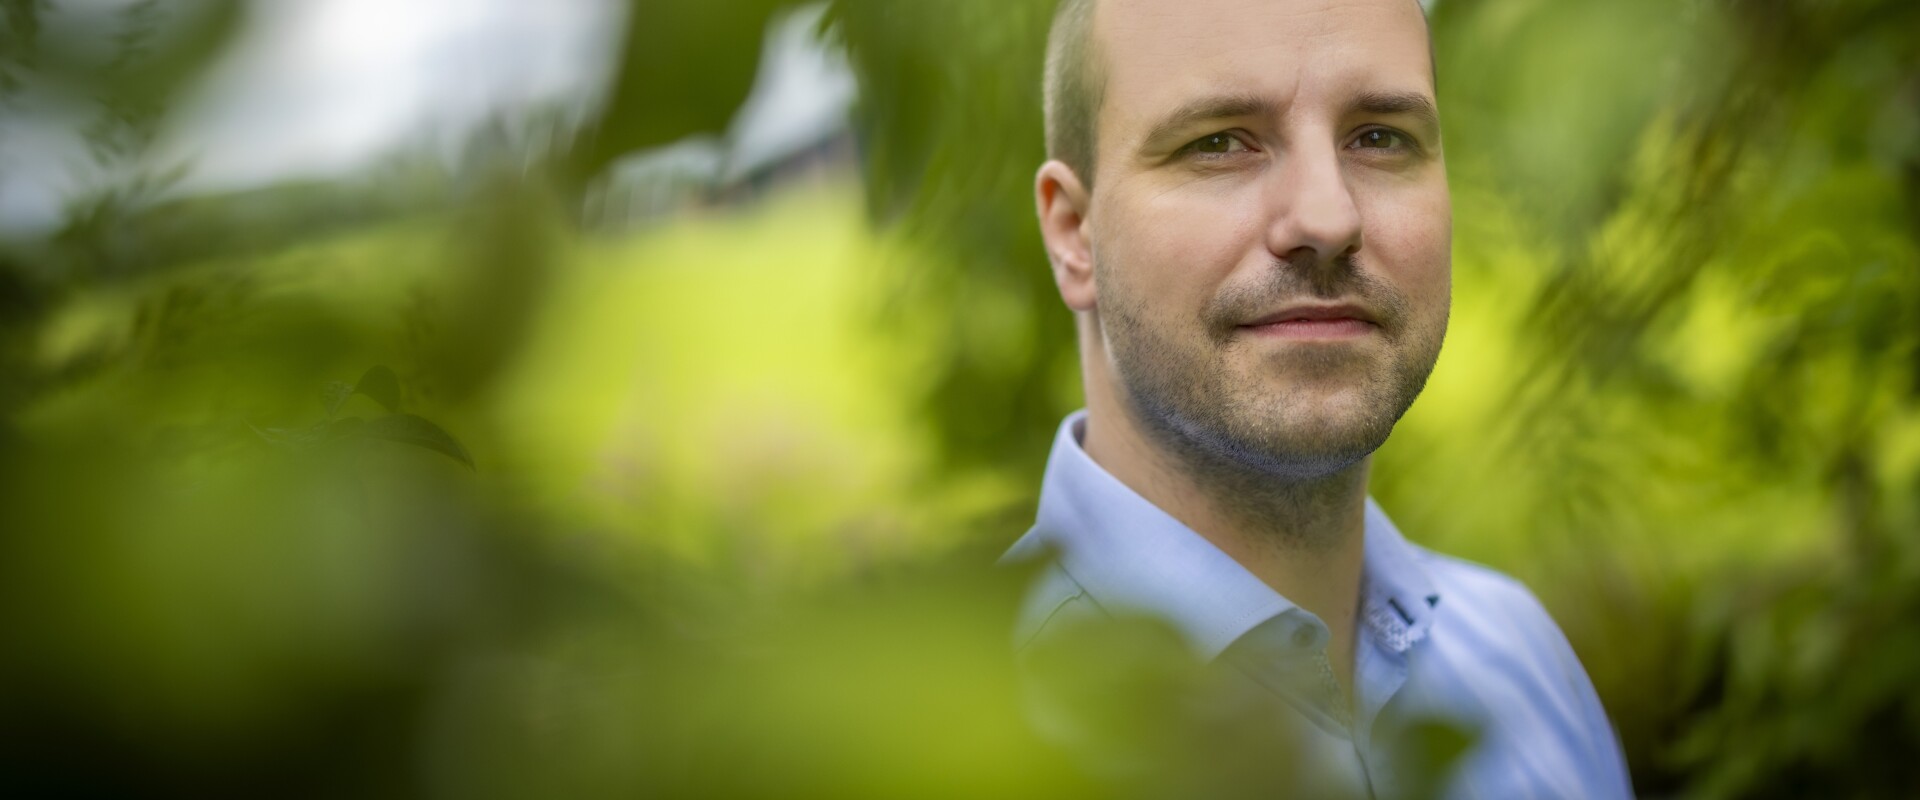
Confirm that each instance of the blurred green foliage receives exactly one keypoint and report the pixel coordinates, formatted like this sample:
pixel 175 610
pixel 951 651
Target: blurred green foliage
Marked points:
pixel 738 474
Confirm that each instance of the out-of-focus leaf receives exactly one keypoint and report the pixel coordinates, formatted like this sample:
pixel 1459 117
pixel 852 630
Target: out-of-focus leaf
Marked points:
pixel 1427 753
pixel 950 124
pixel 158 49
pixel 416 431
pixel 685 67
pixel 379 384
pixel 475 316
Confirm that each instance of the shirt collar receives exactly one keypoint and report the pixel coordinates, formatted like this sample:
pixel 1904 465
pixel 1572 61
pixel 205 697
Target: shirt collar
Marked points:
pixel 1128 555
pixel 1398 596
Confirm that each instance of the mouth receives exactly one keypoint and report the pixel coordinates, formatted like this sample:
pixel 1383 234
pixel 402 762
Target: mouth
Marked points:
pixel 1314 322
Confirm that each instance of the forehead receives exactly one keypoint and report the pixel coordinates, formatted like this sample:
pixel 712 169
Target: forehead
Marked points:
pixel 1157 54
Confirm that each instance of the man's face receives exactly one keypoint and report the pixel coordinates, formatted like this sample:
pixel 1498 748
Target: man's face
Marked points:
pixel 1269 224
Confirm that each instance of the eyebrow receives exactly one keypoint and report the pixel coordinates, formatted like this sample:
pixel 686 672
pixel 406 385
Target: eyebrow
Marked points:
pixel 1229 106
pixel 1202 109
pixel 1416 105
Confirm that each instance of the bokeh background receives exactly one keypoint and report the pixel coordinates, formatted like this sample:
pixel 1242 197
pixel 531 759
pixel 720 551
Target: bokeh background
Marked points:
pixel 475 398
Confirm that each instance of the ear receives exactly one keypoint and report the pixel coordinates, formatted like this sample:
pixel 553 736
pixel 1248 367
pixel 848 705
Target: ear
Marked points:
pixel 1062 203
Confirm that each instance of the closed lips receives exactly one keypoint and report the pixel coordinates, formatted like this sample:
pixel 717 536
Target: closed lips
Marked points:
pixel 1315 314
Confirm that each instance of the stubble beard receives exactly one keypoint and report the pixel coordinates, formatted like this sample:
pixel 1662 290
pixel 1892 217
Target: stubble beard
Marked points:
pixel 1252 442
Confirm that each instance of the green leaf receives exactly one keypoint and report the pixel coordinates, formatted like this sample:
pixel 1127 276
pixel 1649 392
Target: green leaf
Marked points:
pixel 416 431
pixel 380 384
pixel 685 67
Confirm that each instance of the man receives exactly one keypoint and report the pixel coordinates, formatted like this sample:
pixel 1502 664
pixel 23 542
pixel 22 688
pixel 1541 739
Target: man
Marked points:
pixel 1246 209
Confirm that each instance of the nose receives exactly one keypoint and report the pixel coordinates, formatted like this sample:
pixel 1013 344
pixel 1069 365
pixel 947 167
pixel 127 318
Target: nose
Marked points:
pixel 1314 219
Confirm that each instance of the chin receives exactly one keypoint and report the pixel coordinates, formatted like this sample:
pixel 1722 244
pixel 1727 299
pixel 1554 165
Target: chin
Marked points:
pixel 1325 449
pixel 1321 434
pixel 1292 443
pixel 1289 420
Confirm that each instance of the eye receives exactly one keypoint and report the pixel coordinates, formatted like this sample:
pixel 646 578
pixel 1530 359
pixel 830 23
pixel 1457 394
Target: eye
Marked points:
pixel 1217 144
pixel 1381 139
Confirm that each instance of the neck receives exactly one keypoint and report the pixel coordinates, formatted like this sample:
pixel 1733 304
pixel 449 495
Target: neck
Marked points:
pixel 1303 536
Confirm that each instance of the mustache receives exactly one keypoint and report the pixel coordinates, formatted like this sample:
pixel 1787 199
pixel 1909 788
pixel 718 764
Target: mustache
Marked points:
pixel 1342 279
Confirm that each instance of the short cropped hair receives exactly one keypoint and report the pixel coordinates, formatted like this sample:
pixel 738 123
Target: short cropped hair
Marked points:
pixel 1072 88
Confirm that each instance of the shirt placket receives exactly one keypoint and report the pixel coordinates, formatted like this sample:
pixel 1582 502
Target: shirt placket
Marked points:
pixel 1380 670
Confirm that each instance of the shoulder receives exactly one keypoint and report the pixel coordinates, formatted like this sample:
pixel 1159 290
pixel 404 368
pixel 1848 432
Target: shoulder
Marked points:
pixel 1479 595
pixel 1493 625
pixel 1500 649
pixel 1474 579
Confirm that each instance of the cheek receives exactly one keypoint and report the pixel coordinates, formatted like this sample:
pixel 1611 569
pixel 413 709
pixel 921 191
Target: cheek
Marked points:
pixel 1172 249
pixel 1411 237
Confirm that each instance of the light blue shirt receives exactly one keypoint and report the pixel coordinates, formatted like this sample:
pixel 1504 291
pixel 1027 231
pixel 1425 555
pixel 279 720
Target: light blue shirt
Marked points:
pixel 1435 636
